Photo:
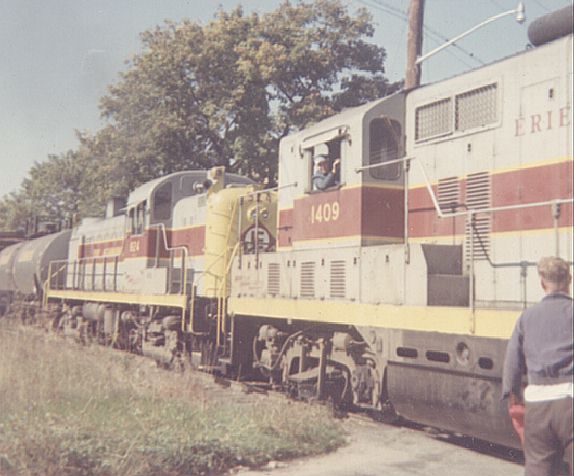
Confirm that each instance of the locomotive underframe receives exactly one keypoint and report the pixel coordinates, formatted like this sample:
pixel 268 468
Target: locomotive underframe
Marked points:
pixel 448 381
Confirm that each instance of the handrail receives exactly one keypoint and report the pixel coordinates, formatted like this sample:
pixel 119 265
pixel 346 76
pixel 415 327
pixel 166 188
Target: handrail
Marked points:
pixel 105 259
pixel 218 290
pixel 265 190
pixel 164 237
pixel 47 283
pixel 222 291
pixel 382 164
pixel 473 211
pixel 208 271
pixel 184 250
pixel 222 295
pixel 470 214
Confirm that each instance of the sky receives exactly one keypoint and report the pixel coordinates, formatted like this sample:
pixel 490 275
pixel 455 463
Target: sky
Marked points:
pixel 58 57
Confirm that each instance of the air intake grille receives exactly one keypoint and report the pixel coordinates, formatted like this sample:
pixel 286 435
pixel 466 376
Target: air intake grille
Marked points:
pixel 307 279
pixel 273 279
pixel 478 196
pixel 476 108
pixel 338 279
pixel 448 194
pixel 434 119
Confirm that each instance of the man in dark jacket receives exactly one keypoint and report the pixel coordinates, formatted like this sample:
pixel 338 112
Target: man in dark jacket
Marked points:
pixel 542 344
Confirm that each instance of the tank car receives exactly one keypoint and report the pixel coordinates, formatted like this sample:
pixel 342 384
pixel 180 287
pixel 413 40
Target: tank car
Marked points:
pixel 24 270
pixel 7 284
pixel 32 261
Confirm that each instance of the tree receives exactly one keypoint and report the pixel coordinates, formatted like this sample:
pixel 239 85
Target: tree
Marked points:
pixel 55 190
pixel 226 93
pixel 220 94
pixel 316 60
pixel 15 210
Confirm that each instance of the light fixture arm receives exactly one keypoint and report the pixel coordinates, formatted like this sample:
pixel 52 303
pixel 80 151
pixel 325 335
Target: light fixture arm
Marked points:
pixel 520 18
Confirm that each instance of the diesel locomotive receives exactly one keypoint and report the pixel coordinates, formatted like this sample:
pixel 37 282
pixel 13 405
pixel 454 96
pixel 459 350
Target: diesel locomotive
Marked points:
pixel 395 290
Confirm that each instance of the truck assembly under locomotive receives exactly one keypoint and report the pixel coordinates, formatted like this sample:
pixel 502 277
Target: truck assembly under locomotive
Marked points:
pixel 395 289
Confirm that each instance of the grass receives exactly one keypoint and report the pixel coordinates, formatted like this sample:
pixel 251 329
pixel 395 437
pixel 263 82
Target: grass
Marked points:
pixel 71 410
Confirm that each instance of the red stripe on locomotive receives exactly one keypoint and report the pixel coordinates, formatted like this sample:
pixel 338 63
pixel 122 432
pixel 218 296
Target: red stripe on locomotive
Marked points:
pixel 144 246
pixel 364 211
pixel 531 185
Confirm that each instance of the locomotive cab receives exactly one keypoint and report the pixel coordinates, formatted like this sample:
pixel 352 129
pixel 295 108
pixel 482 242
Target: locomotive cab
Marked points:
pixel 150 211
pixel 347 242
pixel 364 205
pixel 166 228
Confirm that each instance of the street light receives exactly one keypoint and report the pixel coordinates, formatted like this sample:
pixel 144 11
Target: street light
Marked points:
pixel 519 11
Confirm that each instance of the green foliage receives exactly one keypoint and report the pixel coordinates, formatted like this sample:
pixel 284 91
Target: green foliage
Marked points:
pixel 67 410
pixel 227 92
pixel 223 93
pixel 309 53
pixel 53 190
pixel 54 186
pixel 15 210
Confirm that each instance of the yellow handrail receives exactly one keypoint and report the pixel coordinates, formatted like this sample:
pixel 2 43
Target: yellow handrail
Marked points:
pixel 222 296
pixel 46 286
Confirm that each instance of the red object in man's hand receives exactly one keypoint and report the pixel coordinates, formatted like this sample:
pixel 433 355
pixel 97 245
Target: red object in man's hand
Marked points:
pixel 516 412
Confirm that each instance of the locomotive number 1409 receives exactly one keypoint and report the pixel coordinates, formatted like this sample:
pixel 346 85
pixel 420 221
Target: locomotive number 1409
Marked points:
pixel 325 212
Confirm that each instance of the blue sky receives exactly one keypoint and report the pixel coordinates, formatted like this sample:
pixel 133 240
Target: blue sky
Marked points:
pixel 57 57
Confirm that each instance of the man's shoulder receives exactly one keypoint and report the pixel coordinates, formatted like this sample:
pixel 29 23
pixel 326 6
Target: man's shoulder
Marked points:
pixel 556 299
pixel 548 302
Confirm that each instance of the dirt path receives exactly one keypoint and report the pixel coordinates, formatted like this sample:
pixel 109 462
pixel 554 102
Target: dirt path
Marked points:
pixel 381 450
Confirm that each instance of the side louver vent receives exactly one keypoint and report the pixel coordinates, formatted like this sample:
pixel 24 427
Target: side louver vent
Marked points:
pixel 273 279
pixel 478 196
pixel 307 279
pixel 338 279
pixel 448 194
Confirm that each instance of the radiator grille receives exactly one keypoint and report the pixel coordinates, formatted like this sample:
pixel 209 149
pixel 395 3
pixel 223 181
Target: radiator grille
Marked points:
pixel 448 194
pixel 307 279
pixel 476 108
pixel 273 279
pixel 338 288
pixel 478 196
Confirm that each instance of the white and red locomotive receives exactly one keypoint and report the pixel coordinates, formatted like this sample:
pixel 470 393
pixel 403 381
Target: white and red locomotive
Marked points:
pixel 396 289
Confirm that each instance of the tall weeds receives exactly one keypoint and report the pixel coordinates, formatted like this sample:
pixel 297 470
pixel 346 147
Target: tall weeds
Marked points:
pixel 71 410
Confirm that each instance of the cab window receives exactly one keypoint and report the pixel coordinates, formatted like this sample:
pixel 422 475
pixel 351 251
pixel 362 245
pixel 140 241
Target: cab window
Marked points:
pixel 131 220
pixel 331 150
pixel 384 146
pixel 162 202
pixel 137 218
pixel 186 186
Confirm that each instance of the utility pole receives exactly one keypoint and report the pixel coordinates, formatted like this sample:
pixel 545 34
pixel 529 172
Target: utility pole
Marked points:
pixel 414 44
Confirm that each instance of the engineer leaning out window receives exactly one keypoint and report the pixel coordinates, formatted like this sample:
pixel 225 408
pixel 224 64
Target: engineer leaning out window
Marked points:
pixel 325 175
